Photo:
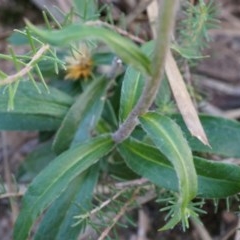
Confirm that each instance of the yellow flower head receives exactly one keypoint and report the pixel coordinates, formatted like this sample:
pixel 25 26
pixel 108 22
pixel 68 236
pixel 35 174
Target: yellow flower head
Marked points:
pixel 80 64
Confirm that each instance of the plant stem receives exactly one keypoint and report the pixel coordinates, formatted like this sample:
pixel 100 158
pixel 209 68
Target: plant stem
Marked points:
pixel 12 78
pixel 166 18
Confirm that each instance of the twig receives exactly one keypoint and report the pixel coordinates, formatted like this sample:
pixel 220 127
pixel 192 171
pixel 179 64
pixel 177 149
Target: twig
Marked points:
pixel 8 178
pixel 218 85
pixel 139 9
pixel 123 186
pixel 27 68
pixel 143 225
pixel 20 187
pixel 167 10
pixel 230 233
pixel 11 194
pixel 106 189
pixel 202 231
pixel 237 235
pixel 137 182
pixel 233 113
pixel 119 30
pixel 140 200
pixel 232 33
pixel 119 215
pixel 206 107
pixel 97 209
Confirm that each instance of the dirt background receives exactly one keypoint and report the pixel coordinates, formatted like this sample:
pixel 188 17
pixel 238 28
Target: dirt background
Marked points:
pixel 217 76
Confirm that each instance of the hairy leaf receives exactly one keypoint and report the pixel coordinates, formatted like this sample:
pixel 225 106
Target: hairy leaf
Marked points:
pixel 82 117
pixel 215 179
pixel 132 86
pixel 168 138
pixel 49 184
pixel 75 200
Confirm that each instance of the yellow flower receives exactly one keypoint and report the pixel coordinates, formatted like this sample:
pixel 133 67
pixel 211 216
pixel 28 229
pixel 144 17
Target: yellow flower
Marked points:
pixel 80 64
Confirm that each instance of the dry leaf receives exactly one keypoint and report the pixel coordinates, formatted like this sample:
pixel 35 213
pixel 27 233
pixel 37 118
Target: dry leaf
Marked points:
pixel 178 86
pixel 183 100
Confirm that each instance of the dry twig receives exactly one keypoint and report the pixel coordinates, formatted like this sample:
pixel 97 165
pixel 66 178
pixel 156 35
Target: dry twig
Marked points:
pixel 118 30
pixel 201 230
pixel 119 215
pixel 8 178
pixel 12 78
pixel 139 9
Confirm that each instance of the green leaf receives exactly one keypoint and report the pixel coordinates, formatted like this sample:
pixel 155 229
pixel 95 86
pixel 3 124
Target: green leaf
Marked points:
pixel 75 200
pixel 82 117
pixel 168 137
pixel 51 182
pixel 109 115
pixel 215 179
pixel 149 162
pixel 30 100
pixel 119 169
pixel 132 86
pixel 127 50
pixel 164 96
pixel 16 121
pixel 34 110
pixel 223 135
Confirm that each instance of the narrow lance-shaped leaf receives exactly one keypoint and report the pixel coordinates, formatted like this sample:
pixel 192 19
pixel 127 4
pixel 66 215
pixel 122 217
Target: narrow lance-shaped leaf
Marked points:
pixel 75 200
pixel 49 184
pixel 127 50
pixel 168 137
pixel 132 85
pixel 215 179
pixel 82 116
pixel 31 122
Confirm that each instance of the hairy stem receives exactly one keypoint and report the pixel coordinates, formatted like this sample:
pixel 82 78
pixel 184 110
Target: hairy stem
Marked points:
pixel 166 17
